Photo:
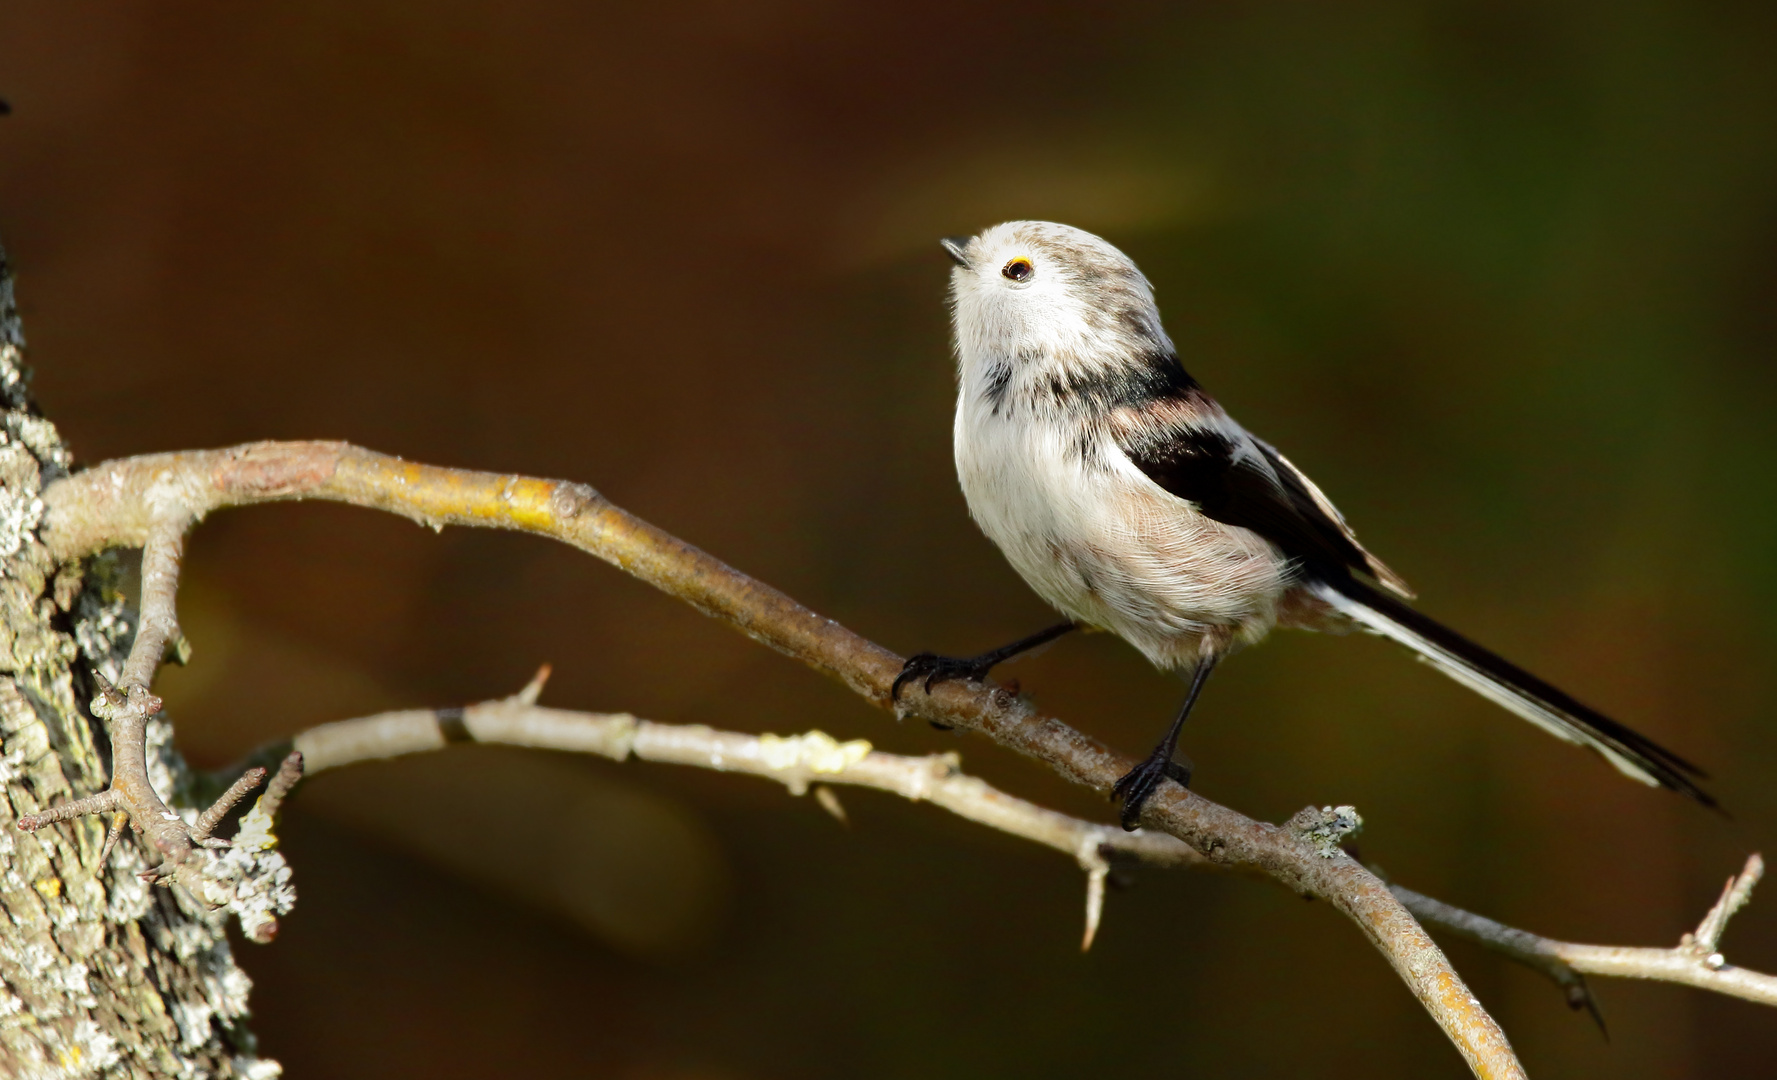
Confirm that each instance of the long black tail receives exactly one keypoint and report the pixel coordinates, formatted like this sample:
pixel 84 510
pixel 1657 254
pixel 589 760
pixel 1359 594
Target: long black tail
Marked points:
pixel 1495 677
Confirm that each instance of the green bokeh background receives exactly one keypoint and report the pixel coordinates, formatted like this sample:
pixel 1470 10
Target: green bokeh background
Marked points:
pixel 1500 276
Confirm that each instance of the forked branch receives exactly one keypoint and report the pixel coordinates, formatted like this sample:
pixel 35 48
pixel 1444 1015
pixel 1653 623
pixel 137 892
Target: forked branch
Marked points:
pixel 1696 961
pixel 129 706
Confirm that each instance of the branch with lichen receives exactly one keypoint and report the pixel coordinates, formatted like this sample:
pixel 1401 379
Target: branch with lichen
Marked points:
pixel 127 707
pixel 141 501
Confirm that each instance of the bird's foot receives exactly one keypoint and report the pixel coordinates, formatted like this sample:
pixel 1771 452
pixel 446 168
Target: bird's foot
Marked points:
pixel 930 669
pixel 1140 783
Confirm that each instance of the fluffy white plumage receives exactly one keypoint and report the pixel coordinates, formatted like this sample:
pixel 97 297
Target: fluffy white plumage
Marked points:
pixel 1044 478
pixel 1129 500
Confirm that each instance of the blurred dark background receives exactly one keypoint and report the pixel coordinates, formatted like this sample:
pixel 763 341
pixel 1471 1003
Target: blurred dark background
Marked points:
pixel 1500 276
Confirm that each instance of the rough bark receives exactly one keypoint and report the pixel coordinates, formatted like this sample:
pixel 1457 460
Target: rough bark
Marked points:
pixel 102 974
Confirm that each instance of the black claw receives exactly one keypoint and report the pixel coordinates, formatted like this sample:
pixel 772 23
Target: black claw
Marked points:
pixel 936 669
pixel 1139 784
pixel 930 669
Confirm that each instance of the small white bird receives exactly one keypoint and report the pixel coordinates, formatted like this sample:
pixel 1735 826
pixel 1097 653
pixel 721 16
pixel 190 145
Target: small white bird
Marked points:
pixel 1131 502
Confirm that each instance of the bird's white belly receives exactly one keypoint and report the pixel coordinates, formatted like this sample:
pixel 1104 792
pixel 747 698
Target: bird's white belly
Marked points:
pixel 1107 546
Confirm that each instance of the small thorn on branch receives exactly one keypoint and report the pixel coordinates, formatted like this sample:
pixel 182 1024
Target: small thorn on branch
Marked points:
pixel 829 800
pixel 1734 896
pixel 1579 996
pixel 1095 879
pixel 118 821
pixel 1093 859
pixel 534 689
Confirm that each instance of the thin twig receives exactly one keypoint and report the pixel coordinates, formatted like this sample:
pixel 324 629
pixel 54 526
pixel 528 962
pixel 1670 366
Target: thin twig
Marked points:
pixel 289 772
pixel 1695 962
pixel 129 705
pixel 798 762
pixel 158 618
pixel 121 502
pixel 1521 945
pixel 812 761
pixel 92 804
pixel 208 820
pixel 802 763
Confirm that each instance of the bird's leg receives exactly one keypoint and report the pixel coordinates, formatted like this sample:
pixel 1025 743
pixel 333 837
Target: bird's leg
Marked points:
pixel 1139 783
pixel 934 669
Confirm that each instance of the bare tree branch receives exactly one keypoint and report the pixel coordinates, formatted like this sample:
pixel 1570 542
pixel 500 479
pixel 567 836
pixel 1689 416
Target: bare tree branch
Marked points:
pixel 802 763
pixel 125 502
pixel 813 760
pixel 163 549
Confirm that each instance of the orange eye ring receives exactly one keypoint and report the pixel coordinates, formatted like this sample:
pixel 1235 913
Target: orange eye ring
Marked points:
pixel 1018 269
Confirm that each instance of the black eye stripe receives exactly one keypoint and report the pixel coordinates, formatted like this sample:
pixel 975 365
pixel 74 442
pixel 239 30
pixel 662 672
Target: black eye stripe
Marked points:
pixel 1017 270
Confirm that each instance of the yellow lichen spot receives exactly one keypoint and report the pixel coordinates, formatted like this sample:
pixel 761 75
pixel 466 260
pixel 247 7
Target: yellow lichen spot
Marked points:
pixel 817 751
pixel 70 1057
pixel 826 754
pixel 255 832
pixel 50 887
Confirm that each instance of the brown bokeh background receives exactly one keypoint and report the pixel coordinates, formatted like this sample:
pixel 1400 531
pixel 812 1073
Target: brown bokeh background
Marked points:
pixel 1500 276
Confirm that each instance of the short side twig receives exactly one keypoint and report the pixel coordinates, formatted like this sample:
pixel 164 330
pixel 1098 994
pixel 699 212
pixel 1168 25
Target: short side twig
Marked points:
pixel 92 804
pixel 1734 896
pixel 289 772
pixel 208 820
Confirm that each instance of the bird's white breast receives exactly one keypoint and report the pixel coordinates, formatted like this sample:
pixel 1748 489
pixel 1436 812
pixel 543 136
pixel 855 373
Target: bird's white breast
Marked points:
pixel 1103 543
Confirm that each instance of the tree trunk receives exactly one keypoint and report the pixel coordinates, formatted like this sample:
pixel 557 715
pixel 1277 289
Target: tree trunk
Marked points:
pixel 103 975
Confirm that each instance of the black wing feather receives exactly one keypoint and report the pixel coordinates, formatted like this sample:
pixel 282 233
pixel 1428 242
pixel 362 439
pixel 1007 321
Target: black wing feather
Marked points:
pixel 1248 487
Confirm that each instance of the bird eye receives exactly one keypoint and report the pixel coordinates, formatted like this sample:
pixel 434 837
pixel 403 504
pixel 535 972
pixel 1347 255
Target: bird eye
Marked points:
pixel 1017 270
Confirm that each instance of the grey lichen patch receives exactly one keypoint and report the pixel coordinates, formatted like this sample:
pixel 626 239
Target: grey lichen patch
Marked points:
pixel 100 974
pixel 104 626
pixel 1327 827
pixel 251 880
pixel 21 507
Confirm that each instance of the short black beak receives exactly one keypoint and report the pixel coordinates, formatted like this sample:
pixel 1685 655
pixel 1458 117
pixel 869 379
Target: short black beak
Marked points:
pixel 957 247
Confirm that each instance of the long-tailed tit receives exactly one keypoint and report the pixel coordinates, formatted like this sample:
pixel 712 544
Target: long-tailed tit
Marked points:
pixel 1129 500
